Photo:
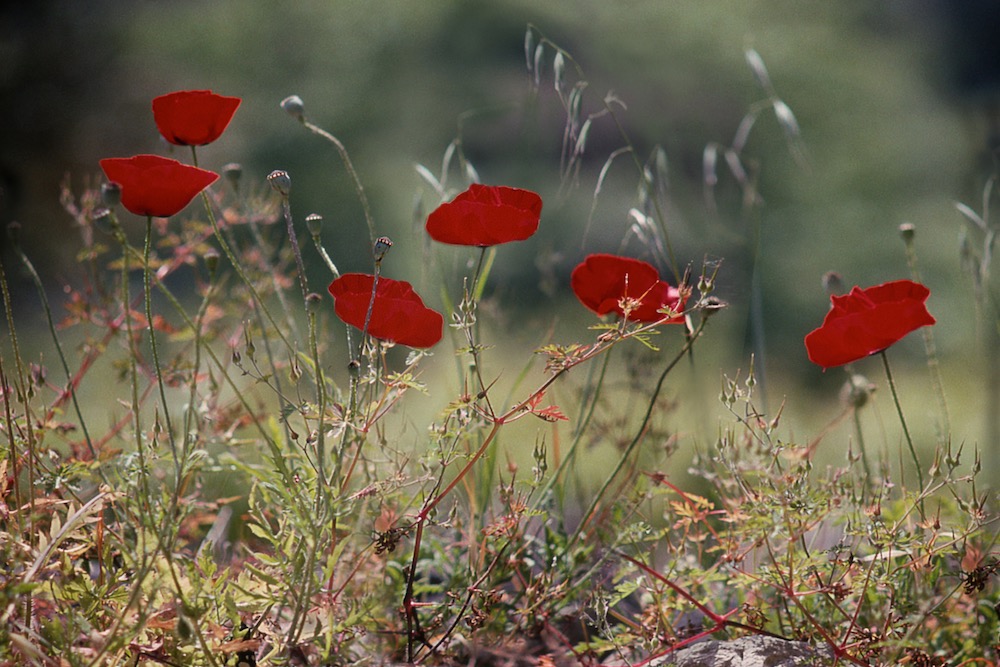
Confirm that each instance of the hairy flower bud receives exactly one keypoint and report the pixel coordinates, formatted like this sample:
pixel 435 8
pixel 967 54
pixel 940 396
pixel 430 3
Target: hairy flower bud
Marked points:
pixel 314 223
pixel 294 106
pixel 907 231
pixel 233 171
pixel 111 194
pixel 211 258
pixel 833 283
pixel 382 245
pixel 280 181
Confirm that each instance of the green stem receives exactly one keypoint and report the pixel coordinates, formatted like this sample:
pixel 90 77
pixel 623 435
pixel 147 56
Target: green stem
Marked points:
pixel 320 403
pixel 864 450
pixel 325 255
pixel 228 252
pixel 358 188
pixel 286 209
pixel 147 292
pixel 930 347
pixel 70 384
pixel 902 420
pixel 22 395
pixel 277 457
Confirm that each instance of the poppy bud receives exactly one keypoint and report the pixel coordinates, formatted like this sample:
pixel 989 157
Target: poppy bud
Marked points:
pixel 314 223
pixel 382 245
pixel 856 391
pixel 211 258
pixel 312 300
pixel 294 106
pixel 907 231
pixel 233 171
pixel 102 218
pixel 833 283
pixel 712 305
pixel 111 194
pixel 280 181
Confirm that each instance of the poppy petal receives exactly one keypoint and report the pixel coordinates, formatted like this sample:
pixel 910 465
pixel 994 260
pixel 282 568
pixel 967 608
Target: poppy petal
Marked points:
pixel 398 313
pixel 866 321
pixel 156 186
pixel 486 215
pixel 193 117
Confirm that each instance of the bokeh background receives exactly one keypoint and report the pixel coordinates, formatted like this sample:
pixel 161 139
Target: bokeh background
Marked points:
pixel 896 102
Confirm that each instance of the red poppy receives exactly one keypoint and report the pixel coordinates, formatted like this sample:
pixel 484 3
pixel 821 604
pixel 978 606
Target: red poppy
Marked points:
pixel 602 281
pixel 154 185
pixel 193 117
pixel 867 321
pixel 486 215
pixel 399 314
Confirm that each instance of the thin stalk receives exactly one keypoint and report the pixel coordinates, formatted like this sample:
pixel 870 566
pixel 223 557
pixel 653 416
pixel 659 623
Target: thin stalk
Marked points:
pixel 930 347
pixel 323 253
pixel 320 401
pixel 132 356
pixel 859 433
pixel 12 444
pixel 351 171
pixel 22 394
pixel 308 302
pixel 228 252
pixel 189 414
pixel 286 209
pixel 147 292
pixel 70 385
pixel 277 457
pixel 902 420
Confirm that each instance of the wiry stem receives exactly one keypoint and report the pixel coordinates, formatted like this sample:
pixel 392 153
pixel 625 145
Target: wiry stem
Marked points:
pixel 902 420
pixel 152 344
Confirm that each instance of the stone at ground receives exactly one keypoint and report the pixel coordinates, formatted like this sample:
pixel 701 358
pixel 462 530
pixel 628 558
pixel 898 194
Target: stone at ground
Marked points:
pixel 753 651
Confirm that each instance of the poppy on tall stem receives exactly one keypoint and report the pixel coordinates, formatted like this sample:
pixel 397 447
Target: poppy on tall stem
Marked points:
pixel 193 117
pixel 866 322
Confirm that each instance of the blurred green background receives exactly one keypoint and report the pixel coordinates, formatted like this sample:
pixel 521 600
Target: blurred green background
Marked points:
pixel 893 99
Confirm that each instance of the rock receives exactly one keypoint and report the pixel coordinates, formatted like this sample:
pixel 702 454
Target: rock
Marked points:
pixel 752 651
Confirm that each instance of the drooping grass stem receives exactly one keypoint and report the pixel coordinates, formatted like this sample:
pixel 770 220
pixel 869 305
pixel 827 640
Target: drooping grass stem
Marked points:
pixel 70 382
pixel 297 111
